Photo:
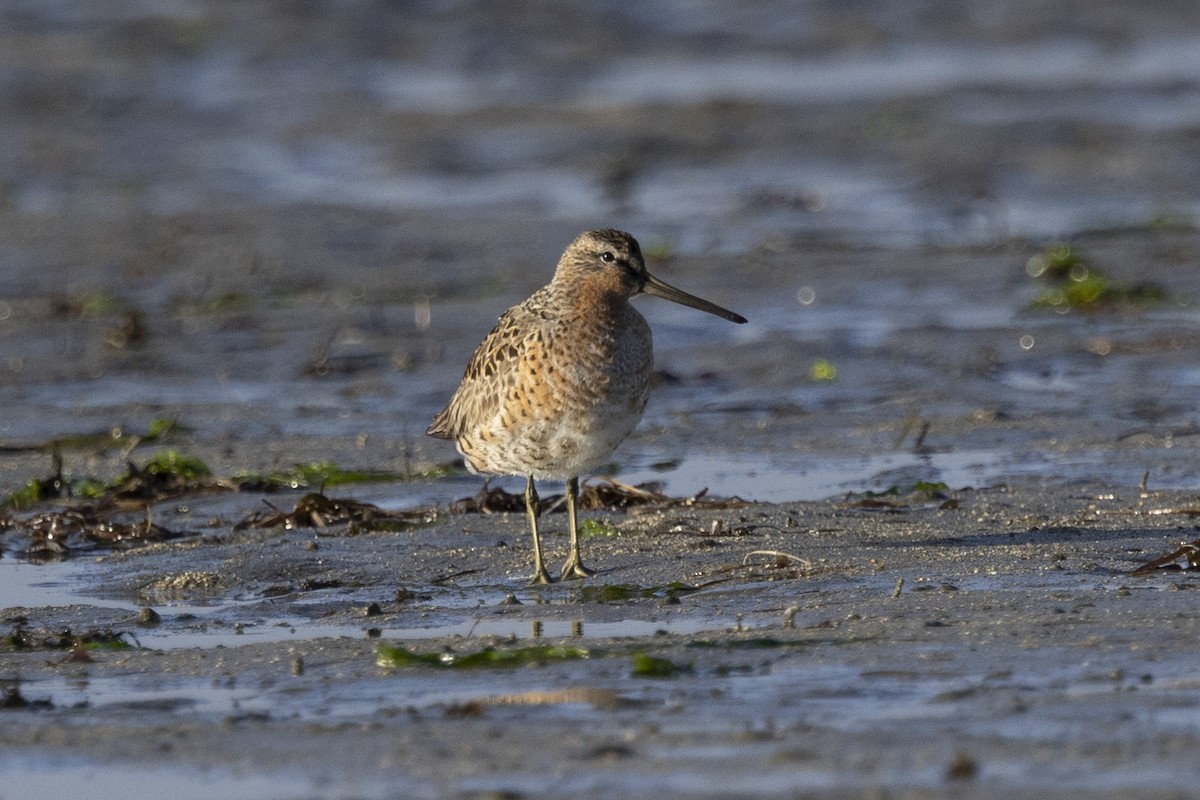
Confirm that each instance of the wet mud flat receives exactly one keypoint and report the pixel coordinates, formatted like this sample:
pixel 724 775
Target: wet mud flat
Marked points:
pixel 949 524
pixel 246 249
pixel 307 561
pixel 935 642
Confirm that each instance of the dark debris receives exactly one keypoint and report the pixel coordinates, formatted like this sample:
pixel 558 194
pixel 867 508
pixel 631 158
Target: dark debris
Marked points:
pixel 21 637
pixel 494 500
pixel 1189 552
pixel 55 534
pixel 157 480
pixel 600 495
pixel 315 510
pixel 12 700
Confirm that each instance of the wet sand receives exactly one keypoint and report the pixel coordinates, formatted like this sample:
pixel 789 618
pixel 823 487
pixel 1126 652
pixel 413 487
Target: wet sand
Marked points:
pixel 283 229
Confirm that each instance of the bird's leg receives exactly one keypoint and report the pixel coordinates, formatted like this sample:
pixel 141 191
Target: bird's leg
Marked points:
pixel 531 507
pixel 574 567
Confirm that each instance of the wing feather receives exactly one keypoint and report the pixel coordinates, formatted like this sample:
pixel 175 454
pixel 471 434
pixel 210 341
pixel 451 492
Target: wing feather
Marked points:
pixel 487 377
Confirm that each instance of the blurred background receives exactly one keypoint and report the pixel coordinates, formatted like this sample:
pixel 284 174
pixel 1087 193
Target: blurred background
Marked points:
pixel 286 224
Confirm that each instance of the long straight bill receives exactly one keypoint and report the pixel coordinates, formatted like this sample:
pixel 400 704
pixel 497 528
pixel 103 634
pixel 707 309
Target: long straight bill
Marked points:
pixel 666 291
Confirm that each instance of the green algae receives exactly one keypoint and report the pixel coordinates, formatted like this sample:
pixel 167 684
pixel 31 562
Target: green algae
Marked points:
pixel 394 657
pixel 1072 284
pixel 325 474
pixel 648 666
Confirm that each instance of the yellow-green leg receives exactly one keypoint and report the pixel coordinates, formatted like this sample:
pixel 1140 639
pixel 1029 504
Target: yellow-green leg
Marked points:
pixel 531 507
pixel 574 567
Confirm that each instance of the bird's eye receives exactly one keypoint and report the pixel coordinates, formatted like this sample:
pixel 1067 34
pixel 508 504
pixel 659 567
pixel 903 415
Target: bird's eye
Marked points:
pixel 607 257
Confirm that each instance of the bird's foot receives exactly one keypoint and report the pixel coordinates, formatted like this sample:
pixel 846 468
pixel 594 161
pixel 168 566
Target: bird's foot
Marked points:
pixel 575 569
pixel 541 578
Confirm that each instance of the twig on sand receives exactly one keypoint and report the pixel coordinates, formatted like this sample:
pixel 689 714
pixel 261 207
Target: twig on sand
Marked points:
pixel 779 556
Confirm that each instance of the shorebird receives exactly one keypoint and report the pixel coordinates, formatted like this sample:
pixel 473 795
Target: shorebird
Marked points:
pixel 563 377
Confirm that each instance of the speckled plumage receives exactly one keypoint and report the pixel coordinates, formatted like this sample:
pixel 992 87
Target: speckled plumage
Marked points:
pixel 563 377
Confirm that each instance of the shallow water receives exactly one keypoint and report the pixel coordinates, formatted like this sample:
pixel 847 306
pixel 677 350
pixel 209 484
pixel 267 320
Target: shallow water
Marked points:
pixel 1005 700
pixel 36 777
pixel 223 620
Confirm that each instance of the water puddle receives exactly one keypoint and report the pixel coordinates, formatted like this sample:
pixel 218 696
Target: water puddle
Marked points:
pixel 231 622
pixel 556 629
pixel 50 585
pixel 759 709
pixel 213 633
pixel 780 478
pixel 37 778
